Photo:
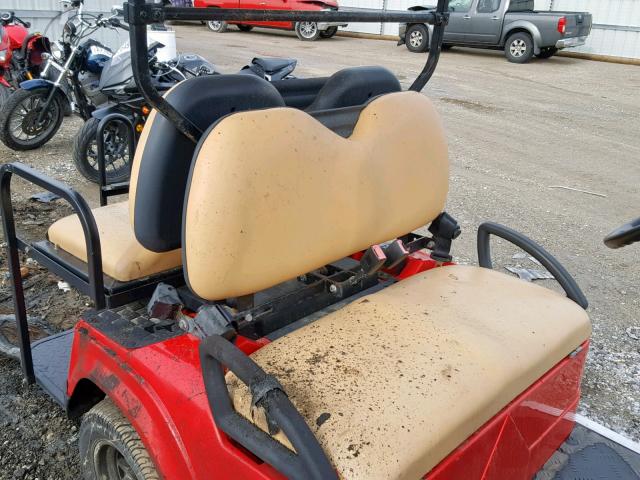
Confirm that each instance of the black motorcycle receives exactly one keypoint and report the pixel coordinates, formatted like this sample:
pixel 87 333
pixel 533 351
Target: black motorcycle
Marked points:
pixel 33 114
pixel 118 86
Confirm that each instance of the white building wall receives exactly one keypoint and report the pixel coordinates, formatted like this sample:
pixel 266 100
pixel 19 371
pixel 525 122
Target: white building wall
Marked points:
pixel 42 13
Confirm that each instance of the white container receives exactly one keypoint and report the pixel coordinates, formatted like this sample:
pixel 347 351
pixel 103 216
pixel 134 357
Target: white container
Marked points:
pixel 168 39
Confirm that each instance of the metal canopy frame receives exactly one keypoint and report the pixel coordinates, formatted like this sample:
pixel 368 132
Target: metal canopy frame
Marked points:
pixel 140 13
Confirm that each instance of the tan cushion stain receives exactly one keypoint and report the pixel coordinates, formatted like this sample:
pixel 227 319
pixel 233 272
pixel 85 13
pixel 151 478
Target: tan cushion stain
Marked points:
pixel 410 372
pixel 292 196
pixel 123 258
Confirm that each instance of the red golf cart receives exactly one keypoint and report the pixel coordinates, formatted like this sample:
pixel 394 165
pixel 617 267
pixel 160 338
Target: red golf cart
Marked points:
pixel 263 309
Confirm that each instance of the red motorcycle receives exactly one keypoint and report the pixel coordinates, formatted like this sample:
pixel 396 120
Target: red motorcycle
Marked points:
pixel 20 53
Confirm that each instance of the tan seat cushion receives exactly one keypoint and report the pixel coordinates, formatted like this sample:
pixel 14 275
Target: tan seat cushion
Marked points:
pixel 410 372
pixel 123 258
pixel 275 194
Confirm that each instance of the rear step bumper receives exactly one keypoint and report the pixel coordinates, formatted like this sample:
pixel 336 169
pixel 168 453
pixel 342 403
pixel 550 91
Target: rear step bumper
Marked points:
pixel 571 42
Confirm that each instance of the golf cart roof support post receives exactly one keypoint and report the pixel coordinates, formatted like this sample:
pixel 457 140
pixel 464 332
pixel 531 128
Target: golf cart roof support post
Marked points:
pixel 435 46
pixel 138 14
pixel 92 239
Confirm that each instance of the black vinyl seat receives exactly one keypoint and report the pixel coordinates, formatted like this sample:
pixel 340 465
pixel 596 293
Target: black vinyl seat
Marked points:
pixel 164 155
pixel 354 86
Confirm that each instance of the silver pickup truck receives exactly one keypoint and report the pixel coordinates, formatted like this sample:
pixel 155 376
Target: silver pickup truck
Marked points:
pixel 512 25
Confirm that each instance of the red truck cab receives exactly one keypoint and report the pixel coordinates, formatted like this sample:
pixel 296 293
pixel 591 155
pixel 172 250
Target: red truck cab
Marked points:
pixel 306 31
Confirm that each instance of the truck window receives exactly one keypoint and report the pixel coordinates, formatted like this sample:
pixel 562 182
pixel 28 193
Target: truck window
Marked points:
pixel 488 6
pixel 521 6
pixel 460 5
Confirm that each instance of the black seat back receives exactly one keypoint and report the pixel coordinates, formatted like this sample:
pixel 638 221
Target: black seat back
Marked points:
pixel 163 156
pixel 354 86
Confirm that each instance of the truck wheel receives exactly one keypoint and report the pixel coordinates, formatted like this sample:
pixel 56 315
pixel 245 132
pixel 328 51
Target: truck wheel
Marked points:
pixel 307 31
pixel 217 26
pixel 417 38
pixel 110 448
pixel 329 32
pixel 519 48
pixel 547 52
pixel 245 28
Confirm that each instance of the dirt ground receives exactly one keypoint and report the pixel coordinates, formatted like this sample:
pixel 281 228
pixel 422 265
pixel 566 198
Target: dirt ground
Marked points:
pixel 517 133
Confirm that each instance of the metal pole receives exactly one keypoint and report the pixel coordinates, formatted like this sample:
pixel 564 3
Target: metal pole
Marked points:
pixel 26 360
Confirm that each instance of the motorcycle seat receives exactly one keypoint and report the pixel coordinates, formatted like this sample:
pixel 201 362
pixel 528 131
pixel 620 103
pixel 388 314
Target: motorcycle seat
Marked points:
pixel 270 65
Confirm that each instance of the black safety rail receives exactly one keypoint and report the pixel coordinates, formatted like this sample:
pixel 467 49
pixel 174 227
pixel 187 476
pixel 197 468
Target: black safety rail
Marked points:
pixel 309 461
pixel 92 286
pixel 138 14
pixel 547 260
pixel 119 188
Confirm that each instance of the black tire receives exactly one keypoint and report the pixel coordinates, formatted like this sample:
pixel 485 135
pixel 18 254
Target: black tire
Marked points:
pixel 217 26
pixel 110 448
pixel 329 32
pixel 245 28
pixel 117 155
pixel 446 47
pixel 307 31
pixel 519 48
pixel 547 52
pixel 5 93
pixel 417 38
pixel 18 116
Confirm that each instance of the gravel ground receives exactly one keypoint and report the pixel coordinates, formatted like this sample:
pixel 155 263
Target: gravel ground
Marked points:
pixel 514 132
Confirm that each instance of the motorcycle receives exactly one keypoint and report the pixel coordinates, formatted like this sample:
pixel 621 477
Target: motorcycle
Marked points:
pixel 20 53
pixel 33 114
pixel 123 96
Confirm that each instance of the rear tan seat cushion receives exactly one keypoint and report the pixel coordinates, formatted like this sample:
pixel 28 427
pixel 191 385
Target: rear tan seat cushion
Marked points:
pixel 408 373
pixel 123 258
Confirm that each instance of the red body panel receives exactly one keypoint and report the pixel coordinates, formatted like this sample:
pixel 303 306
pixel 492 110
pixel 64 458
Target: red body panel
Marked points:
pixel 268 5
pixel 159 388
pixel 518 441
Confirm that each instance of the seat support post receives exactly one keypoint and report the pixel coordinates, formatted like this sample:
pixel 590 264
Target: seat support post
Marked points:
pixel 13 257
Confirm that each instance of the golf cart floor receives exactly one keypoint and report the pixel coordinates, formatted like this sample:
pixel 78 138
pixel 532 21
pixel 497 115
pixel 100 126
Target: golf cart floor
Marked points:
pixel 587 455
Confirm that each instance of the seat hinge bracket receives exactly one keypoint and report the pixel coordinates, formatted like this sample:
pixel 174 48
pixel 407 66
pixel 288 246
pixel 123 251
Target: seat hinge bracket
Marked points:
pixel 444 229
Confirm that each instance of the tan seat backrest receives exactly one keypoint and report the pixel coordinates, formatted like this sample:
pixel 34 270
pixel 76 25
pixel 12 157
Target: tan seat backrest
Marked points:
pixel 274 194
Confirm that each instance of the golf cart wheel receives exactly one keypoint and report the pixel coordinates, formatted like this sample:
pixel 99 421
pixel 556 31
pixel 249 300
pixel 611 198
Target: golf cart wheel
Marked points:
pixel 547 52
pixel 307 31
pixel 111 449
pixel 417 38
pixel 245 28
pixel 217 26
pixel 329 32
pixel 519 48
pixel 19 128
pixel 116 149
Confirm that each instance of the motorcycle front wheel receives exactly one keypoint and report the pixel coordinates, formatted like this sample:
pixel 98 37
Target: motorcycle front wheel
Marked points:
pixel 20 128
pixel 116 151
